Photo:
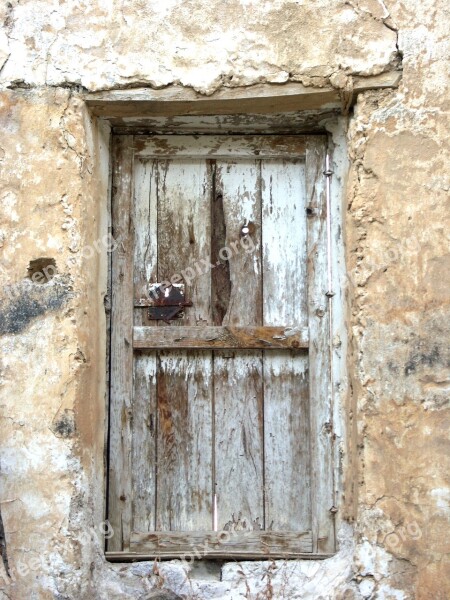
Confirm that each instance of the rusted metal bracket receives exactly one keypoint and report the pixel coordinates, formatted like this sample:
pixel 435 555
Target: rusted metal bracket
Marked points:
pixel 165 303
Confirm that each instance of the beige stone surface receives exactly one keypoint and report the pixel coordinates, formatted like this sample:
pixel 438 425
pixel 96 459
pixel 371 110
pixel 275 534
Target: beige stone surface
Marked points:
pixel 50 208
pixel 394 514
pixel 204 45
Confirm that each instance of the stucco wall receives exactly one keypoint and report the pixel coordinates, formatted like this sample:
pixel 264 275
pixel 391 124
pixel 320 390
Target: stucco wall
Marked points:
pixel 394 515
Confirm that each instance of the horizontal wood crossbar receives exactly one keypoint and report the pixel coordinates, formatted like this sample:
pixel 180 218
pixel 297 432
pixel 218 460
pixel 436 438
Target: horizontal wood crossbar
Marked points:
pixel 231 148
pixel 220 337
pixel 126 556
pixel 137 557
pixel 216 544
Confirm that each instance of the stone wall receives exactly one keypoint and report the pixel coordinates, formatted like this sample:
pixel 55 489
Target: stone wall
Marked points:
pixel 394 513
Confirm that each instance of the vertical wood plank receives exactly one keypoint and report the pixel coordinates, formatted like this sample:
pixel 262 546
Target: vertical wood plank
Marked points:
pixel 238 440
pixel 238 375
pixel 119 505
pixel 145 217
pixel 184 446
pixel 184 480
pixel 184 233
pixel 286 402
pixel 284 243
pixel 239 185
pixel 144 417
pixel 319 352
pixel 286 441
pixel 143 445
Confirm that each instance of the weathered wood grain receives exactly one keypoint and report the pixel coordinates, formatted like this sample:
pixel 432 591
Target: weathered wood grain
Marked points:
pixel 220 337
pixel 279 123
pixel 184 479
pixel 184 232
pixel 237 377
pixel 178 100
pixel 145 217
pixel 264 99
pixel 143 442
pixel 286 441
pixel 225 555
pixel 286 402
pixel 121 391
pixel 219 147
pixel 220 543
pixel 238 440
pixel 144 406
pixel 284 243
pixel 319 353
pixel 239 184
pixel 184 379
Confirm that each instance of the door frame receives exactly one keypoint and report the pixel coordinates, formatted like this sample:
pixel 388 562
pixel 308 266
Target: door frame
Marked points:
pixel 262 108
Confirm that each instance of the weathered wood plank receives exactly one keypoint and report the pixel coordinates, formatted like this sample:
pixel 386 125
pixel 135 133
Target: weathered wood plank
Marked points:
pixel 184 380
pixel 238 440
pixel 286 403
pixel 178 100
pixel 212 544
pixel 237 375
pixel 226 555
pixel 286 441
pixel 239 184
pixel 144 411
pixel 121 391
pixel 280 123
pixel 320 393
pixel 184 233
pixel 284 243
pixel 260 99
pixel 145 217
pixel 220 337
pixel 143 444
pixel 184 480
pixel 219 147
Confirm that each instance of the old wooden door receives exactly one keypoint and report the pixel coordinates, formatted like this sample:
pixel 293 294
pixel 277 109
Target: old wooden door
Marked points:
pixel 220 418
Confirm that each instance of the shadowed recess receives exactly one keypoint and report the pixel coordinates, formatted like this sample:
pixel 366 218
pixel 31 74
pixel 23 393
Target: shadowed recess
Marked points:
pixel 3 551
pixel 42 270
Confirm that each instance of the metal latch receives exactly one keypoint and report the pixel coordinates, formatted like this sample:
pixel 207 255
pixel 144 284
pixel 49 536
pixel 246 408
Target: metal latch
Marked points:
pixel 165 303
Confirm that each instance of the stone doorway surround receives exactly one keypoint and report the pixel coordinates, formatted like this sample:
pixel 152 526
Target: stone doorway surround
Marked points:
pixel 263 108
